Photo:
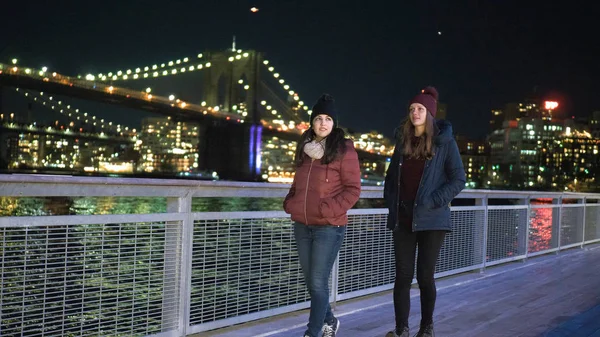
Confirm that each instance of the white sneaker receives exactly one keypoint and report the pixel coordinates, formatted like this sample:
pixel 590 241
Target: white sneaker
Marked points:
pixel 329 330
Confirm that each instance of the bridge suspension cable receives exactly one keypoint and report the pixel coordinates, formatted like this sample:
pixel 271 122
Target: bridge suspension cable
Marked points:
pixel 286 86
pixel 282 105
pixel 73 113
pixel 170 68
pixel 155 70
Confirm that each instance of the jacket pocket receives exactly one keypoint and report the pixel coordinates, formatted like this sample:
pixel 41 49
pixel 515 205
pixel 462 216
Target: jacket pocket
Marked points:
pixel 428 203
pixel 294 206
pixel 325 210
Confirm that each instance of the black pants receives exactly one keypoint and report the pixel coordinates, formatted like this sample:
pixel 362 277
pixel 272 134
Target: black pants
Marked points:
pixel 405 247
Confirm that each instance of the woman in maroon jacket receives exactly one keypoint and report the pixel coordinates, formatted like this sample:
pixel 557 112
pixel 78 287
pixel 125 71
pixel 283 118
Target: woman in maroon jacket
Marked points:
pixel 325 187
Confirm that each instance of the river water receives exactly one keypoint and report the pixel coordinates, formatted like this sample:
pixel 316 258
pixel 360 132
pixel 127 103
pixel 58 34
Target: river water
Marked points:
pixel 26 206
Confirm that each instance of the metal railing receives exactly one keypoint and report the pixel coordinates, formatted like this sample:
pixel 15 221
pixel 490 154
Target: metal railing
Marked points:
pixel 170 267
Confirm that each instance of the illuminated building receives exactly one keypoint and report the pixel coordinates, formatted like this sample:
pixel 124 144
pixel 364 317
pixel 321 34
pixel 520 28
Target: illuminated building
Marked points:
pixel 545 153
pixel 530 109
pixel 519 149
pixel 503 154
pixel 575 160
pixel 373 164
pixel 168 146
pixel 278 160
pixel 594 124
pixel 536 134
pixel 32 147
pixel 516 152
pixel 475 158
pixel 497 120
pixel 373 142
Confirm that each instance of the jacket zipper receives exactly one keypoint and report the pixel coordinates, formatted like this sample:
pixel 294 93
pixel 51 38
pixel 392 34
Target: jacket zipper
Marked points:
pixel 306 191
pixel 414 203
pixel 398 196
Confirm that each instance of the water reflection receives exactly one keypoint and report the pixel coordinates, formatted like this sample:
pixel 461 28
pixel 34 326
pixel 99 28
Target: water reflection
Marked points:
pixel 26 206
pixel 543 226
pixel 540 230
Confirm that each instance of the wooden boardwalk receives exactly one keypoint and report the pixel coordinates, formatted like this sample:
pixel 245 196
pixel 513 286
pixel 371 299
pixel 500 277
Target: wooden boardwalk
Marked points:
pixel 554 295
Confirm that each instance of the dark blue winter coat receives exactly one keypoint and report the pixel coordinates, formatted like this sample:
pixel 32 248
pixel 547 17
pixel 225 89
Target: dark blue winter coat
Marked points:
pixel 443 178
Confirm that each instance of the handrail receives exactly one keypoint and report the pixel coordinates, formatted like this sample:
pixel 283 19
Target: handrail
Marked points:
pixel 205 188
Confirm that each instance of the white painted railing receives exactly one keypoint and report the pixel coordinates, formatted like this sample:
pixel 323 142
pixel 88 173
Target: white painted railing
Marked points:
pixel 169 269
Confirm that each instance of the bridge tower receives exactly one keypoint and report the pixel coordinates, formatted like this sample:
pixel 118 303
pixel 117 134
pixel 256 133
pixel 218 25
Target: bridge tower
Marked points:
pixel 230 149
pixel 221 80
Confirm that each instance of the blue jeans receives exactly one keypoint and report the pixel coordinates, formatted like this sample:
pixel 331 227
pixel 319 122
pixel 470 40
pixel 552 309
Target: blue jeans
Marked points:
pixel 318 247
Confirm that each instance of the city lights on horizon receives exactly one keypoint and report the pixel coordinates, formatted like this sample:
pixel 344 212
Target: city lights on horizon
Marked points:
pixel 276 119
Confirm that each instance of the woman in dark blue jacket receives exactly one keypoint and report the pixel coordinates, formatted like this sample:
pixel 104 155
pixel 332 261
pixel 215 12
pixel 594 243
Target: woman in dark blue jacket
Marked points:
pixel 425 174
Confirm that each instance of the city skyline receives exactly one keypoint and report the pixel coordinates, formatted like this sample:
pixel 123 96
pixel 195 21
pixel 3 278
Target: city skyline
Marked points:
pixel 530 146
pixel 134 117
pixel 480 57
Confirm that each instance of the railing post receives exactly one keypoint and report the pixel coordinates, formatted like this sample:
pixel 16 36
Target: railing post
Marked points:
pixel 527 228
pixel 560 207
pixel 484 202
pixel 178 260
pixel 583 228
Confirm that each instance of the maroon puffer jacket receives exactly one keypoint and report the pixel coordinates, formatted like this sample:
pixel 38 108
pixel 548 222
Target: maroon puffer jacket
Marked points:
pixel 323 194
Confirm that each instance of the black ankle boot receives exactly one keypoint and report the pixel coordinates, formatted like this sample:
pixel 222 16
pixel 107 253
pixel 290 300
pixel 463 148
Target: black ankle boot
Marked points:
pixel 425 331
pixel 398 332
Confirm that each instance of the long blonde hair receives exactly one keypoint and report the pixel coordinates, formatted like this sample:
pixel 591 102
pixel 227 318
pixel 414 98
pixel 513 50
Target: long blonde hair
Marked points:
pixel 424 148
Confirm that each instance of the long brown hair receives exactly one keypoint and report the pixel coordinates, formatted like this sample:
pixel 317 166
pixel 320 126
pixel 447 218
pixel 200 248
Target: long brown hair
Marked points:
pixel 334 146
pixel 423 149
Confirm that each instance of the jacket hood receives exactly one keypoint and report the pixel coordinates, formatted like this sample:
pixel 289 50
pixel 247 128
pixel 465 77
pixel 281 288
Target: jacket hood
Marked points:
pixel 445 132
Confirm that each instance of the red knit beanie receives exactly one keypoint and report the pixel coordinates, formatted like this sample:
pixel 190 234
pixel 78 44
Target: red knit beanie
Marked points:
pixel 428 97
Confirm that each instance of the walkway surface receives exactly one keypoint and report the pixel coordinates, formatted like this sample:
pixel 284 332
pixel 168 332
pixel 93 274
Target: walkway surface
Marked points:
pixel 553 295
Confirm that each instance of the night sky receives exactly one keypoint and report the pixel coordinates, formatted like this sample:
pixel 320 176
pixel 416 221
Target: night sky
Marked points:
pixel 372 57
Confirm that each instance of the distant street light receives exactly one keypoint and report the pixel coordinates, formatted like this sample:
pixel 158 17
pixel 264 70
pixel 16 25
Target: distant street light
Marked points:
pixel 254 9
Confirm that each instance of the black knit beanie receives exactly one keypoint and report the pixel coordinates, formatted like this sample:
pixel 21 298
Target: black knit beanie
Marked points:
pixel 325 106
